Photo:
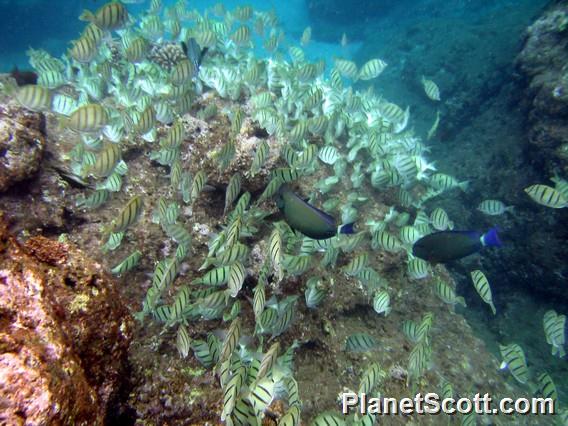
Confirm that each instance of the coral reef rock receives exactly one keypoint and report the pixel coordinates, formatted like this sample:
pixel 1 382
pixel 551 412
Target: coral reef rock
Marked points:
pixel 22 142
pixel 64 335
pixel 542 64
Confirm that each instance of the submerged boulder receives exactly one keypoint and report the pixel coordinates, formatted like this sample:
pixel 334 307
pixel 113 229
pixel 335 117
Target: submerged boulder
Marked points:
pixel 64 334
pixel 22 143
pixel 542 64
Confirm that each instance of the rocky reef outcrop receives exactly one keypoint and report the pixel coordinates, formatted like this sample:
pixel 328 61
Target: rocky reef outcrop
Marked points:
pixel 542 65
pixel 22 143
pixel 64 334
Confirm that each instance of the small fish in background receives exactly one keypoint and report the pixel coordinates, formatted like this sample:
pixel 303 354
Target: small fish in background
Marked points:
pixel 434 127
pixel 381 302
pixel 344 40
pixel 494 207
pixel 445 246
pixel 306 36
pixel 307 219
pixel 483 288
pixel 440 221
pixel 431 89
pixel 514 359
pixel 555 332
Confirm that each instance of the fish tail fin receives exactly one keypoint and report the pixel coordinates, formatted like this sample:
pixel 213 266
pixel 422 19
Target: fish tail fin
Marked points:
pixel 464 185
pixel 491 238
pixel 63 123
pixel 87 15
pixel 80 201
pixel 10 87
pixel 348 228
pixel 201 55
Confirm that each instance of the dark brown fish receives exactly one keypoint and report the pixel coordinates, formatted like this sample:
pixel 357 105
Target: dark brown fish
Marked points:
pixel 23 77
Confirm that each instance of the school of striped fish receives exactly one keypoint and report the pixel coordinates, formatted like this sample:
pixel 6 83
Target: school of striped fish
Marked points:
pixel 107 87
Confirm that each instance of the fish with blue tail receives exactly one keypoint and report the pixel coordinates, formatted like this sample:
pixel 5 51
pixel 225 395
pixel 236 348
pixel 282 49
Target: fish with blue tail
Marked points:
pixel 445 246
pixel 194 53
pixel 307 219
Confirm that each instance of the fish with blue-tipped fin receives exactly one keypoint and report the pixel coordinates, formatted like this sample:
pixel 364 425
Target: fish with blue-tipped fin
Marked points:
pixel 307 219
pixel 445 246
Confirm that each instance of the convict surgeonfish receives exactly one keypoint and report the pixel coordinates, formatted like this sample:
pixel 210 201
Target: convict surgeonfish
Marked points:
pixel 110 16
pixel 445 246
pixel 307 219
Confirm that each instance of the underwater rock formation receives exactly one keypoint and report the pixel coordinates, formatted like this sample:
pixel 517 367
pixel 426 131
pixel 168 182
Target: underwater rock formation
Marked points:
pixel 58 364
pixel 22 142
pixel 542 63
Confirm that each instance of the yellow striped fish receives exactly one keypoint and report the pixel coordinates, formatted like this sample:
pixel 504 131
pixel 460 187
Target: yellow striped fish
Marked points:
pixel 183 341
pixel 237 275
pixel 110 16
pixel 127 264
pixel 445 292
pixel 546 387
pixel 83 49
pixel 372 69
pixel 418 269
pixel 306 36
pixel 147 120
pixel 231 391
pixel 88 118
pixel 494 207
pixel 372 376
pixel 231 340
pixel 182 72
pixel 35 98
pixel 233 191
pixel 482 287
pixel 94 33
pixel 106 161
pixel 514 360
pixel 431 89
pixel 346 68
pixel 241 35
pixel 554 331
pixel 384 240
pixel 275 251
pixel 291 418
pixel 268 361
pixel 259 300
pixel 547 196
pixel 392 112
pixel 381 302
pixel 262 394
pixel 440 220
pixel 136 52
pixel 259 157
pixel 129 214
pixel 356 264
